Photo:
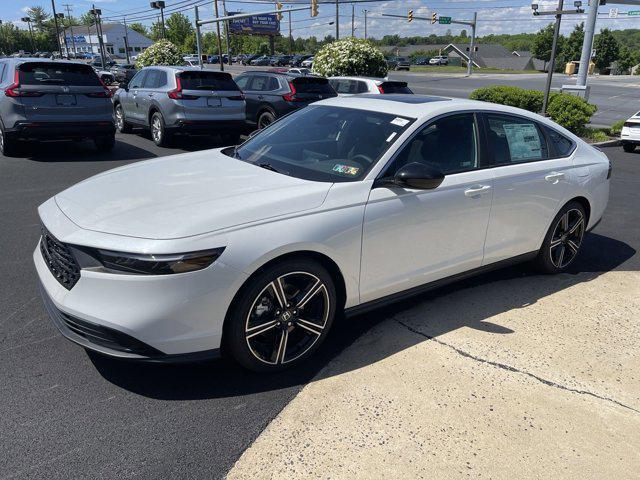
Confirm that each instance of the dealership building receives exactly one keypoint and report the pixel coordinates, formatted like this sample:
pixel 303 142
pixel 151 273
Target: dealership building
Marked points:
pixel 85 39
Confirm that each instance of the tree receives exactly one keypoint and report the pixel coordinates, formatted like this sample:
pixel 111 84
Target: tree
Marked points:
pixel 179 29
pixel 140 28
pixel 543 42
pixel 39 17
pixel 573 47
pixel 87 19
pixel 607 49
pixel 160 53
pixel 627 60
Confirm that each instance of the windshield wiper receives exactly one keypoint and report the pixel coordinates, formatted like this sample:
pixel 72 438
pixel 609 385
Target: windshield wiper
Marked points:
pixel 268 166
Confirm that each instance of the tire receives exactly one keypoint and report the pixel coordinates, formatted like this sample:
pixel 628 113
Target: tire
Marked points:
pixel 105 144
pixel 563 241
pixel 628 147
pixel 264 334
pixel 121 123
pixel 159 133
pixel 8 146
pixel 265 119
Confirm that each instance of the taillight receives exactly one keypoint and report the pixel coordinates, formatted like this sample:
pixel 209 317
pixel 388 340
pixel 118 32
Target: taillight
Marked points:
pixel 13 90
pixel 176 93
pixel 237 98
pixel 380 89
pixel 106 92
pixel 291 97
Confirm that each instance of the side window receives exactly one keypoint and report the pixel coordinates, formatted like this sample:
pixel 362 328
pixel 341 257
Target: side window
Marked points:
pixel 242 82
pixel 151 80
pixel 259 83
pixel 3 68
pixel 514 140
pixel 340 86
pixel 162 78
pixel 448 144
pixel 562 145
pixel 362 87
pixel 273 84
pixel 136 81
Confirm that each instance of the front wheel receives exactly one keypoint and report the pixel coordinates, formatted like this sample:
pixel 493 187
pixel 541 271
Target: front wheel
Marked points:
pixel 281 316
pixel 563 240
pixel 121 123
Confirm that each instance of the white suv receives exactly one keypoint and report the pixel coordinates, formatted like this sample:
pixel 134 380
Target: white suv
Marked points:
pixel 439 60
pixel 348 86
pixel 630 134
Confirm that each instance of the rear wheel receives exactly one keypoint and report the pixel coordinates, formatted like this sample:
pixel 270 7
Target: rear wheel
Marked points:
pixel 159 132
pixel 8 146
pixel 281 316
pixel 105 144
pixel 628 147
pixel 563 240
pixel 121 123
pixel 265 119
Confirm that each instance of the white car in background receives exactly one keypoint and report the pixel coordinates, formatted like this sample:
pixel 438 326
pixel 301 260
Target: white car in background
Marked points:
pixel 439 60
pixel 630 134
pixel 348 86
pixel 346 204
pixel 308 63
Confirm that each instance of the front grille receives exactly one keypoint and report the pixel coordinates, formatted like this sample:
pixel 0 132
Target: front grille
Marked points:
pixel 59 260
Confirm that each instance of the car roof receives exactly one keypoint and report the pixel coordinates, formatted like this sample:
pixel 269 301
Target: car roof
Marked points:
pixel 372 79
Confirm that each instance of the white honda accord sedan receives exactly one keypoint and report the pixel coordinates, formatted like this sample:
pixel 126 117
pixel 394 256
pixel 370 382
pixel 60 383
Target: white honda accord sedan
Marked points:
pixel 343 205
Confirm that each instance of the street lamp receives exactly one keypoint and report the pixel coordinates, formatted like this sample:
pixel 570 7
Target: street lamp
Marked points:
pixel 33 43
pixel 159 5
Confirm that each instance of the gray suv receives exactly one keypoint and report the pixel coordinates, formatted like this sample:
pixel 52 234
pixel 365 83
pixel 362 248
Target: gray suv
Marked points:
pixel 181 100
pixel 53 100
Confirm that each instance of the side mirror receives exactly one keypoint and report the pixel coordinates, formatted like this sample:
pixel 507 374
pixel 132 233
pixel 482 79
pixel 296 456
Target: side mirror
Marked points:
pixel 417 175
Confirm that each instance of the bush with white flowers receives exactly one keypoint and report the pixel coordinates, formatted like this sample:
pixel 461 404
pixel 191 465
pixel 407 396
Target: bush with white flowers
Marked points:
pixel 162 52
pixel 350 57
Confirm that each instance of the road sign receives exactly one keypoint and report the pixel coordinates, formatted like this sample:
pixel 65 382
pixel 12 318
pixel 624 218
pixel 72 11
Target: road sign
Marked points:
pixel 613 13
pixel 444 20
pixel 633 12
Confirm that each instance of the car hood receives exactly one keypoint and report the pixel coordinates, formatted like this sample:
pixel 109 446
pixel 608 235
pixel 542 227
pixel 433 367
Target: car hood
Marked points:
pixel 185 195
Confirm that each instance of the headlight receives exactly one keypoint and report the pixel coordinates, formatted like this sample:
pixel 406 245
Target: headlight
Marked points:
pixel 147 264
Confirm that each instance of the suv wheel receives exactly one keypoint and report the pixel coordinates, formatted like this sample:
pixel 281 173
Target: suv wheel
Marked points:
pixel 8 146
pixel 159 132
pixel 121 123
pixel 105 144
pixel 282 316
pixel 265 119
pixel 562 243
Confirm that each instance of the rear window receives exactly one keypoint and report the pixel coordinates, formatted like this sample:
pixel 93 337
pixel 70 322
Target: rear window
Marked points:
pixel 395 87
pixel 58 74
pixel 207 81
pixel 312 85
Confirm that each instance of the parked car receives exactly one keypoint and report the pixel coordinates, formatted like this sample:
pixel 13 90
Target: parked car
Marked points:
pixel 248 58
pixel 297 60
pixel 123 72
pixel 261 61
pixel 97 63
pixel 439 60
pixel 421 61
pixel 105 76
pixel 347 204
pixel 630 134
pixel 181 100
pixel 53 100
pixel 402 63
pixel 348 86
pixel 270 95
pixel 300 71
pixel 308 63
pixel 280 60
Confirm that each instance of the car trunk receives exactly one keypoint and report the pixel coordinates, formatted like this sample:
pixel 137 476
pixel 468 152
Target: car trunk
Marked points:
pixel 61 92
pixel 210 96
pixel 311 89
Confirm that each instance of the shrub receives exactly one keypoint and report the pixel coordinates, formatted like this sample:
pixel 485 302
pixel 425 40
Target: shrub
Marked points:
pixel 572 112
pixel 569 111
pixel 616 128
pixel 350 57
pixel 162 52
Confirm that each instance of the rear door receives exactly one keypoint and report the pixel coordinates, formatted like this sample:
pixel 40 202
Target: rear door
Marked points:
pixel 211 96
pixel 62 92
pixel 152 81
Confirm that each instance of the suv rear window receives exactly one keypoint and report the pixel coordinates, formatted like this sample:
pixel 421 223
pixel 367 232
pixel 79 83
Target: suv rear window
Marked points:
pixel 395 87
pixel 207 81
pixel 312 85
pixel 51 73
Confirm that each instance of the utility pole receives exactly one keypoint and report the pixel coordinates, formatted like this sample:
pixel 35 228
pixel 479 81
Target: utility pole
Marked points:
pixel 365 23
pixel 70 18
pixel 587 46
pixel 472 44
pixel 215 4
pixel 96 15
pixel 290 36
pixel 226 30
pixel 126 39
pixel 159 5
pixel 353 20
pixel 55 21
pixel 33 43
pixel 337 20
pixel 198 37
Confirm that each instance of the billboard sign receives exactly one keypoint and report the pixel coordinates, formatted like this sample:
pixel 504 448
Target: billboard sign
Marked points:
pixel 256 25
pixel 76 39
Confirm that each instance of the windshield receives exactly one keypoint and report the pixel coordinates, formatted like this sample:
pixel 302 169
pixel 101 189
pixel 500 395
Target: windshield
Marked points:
pixel 199 80
pixel 58 74
pixel 324 143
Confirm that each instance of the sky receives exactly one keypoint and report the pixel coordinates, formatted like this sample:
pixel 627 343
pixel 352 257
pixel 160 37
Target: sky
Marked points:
pixel 494 16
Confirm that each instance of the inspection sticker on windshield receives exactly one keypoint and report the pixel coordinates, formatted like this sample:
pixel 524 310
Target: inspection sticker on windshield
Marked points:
pixel 401 122
pixel 346 169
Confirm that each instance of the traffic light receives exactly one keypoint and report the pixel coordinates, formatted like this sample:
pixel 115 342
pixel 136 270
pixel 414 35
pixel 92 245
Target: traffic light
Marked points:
pixel 314 8
pixel 410 15
pixel 434 18
pixel 279 7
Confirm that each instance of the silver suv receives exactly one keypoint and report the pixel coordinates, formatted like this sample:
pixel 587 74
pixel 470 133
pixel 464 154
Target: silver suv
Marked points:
pixel 53 100
pixel 175 100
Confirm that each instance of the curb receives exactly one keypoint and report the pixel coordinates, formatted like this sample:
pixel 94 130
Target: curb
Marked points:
pixel 608 143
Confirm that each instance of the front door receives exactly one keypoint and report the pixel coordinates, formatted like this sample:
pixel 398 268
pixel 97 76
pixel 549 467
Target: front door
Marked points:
pixel 412 237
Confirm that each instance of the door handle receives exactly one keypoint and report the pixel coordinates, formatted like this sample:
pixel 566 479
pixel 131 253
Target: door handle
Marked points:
pixel 554 177
pixel 474 192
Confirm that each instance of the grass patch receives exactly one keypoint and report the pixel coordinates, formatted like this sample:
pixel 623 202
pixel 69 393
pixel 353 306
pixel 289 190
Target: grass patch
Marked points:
pixel 455 69
pixel 595 135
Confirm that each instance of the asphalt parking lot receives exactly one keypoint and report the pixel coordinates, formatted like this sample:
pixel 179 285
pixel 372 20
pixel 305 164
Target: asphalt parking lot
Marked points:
pixel 69 414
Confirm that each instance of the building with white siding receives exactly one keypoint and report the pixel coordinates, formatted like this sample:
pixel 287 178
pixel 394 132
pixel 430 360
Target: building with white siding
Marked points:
pixel 85 39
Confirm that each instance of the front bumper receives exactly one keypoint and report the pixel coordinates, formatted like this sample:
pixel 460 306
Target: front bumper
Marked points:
pixel 60 130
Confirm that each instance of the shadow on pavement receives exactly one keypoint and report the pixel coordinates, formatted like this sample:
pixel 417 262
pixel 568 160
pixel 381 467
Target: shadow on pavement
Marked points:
pixel 81 151
pixel 500 291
